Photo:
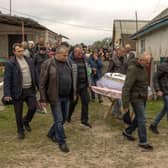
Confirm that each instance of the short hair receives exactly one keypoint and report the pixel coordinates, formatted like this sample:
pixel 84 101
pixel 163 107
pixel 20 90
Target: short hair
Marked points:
pixel 66 44
pixel 31 42
pixel 128 45
pixel 77 46
pixel 61 48
pixel 16 45
pixel 42 48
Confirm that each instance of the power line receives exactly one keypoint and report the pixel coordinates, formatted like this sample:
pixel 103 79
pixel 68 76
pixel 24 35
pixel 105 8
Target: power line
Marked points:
pixel 60 22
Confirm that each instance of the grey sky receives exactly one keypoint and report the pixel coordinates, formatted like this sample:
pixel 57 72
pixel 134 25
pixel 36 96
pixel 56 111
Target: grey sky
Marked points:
pixel 97 14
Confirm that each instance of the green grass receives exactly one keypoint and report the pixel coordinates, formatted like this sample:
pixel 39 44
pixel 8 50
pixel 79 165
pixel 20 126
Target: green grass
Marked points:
pixel 12 150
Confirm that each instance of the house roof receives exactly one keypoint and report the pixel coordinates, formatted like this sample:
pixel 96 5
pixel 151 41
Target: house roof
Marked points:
pixel 30 23
pixel 159 21
pixel 129 20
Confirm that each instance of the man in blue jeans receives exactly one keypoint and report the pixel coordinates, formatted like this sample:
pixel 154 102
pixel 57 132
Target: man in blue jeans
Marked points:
pixel 135 91
pixel 160 82
pixel 56 88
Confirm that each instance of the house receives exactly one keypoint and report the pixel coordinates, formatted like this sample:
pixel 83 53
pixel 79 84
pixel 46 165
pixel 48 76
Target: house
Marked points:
pixel 123 29
pixel 153 37
pixel 17 29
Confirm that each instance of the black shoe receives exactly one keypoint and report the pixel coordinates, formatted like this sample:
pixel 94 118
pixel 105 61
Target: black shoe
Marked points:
pixel 100 101
pixel 21 135
pixel 53 139
pixel 27 127
pixel 86 125
pixel 93 100
pixel 146 146
pixel 64 148
pixel 69 120
pixel 154 129
pixel 129 137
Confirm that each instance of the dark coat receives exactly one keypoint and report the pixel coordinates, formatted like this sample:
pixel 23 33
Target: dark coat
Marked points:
pixel 130 56
pixel 115 65
pixel 135 88
pixel 38 60
pixel 49 82
pixel 13 78
pixel 160 79
pixel 96 64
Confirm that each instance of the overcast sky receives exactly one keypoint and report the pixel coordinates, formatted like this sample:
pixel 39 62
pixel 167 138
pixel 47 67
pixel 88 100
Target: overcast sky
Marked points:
pixel 95 15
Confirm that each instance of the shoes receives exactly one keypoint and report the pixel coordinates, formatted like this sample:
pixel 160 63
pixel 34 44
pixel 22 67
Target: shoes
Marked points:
pixel 21 135
pixel 27 127
pixel 146 146
pixel 86 125
pixel 100 101
pixel 129 137
pixel 154 129
pixel 93 100
pixel 41 111
pixel 53 139
pixel 64 148
pixel 69 120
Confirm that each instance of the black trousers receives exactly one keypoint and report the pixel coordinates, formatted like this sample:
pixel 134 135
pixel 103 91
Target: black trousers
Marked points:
pixel 84 96
pixel 28 96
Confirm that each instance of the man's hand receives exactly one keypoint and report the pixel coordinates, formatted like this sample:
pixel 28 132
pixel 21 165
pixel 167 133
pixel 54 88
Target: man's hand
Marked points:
pixel 159 93
pixel 7 98
pixel 95 57
pixel 44 104
pixel 94 70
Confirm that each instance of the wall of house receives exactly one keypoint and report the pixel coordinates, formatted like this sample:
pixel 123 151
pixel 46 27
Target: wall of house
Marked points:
pixel 54 37
pixel 128 28
pixel 5 30
pixel 156 42
pixel 3 45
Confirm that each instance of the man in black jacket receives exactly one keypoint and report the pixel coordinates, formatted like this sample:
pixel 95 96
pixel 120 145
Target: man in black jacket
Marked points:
pixel 19 86
pixel 160 82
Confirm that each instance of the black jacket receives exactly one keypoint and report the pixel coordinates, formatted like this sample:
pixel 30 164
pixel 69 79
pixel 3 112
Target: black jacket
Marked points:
pixel 13 78
pixel 117 66
pixel 160 79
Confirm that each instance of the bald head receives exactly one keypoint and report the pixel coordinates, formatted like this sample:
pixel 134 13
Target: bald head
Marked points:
pixel 127 47
pixel 120 51
pixel 145 58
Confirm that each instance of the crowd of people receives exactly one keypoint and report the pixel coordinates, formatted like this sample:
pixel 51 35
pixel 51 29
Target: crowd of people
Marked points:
pixel 62 74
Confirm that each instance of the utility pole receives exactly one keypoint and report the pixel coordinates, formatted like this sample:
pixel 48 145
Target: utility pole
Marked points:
pixel 122 38
pixel 23 32
pixel 10 7
pixel 137 47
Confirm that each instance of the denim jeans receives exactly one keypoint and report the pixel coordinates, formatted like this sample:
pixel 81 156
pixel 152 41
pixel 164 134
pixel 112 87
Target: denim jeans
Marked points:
pixel 93 93
pixel 117 107
pixel 139 122
pixel 60 114
pixel 163 112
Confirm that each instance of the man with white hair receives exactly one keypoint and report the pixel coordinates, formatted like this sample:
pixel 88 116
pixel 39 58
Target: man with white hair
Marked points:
pixel 135 91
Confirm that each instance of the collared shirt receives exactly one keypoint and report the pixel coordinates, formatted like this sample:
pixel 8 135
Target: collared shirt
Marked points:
pixel 25 70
